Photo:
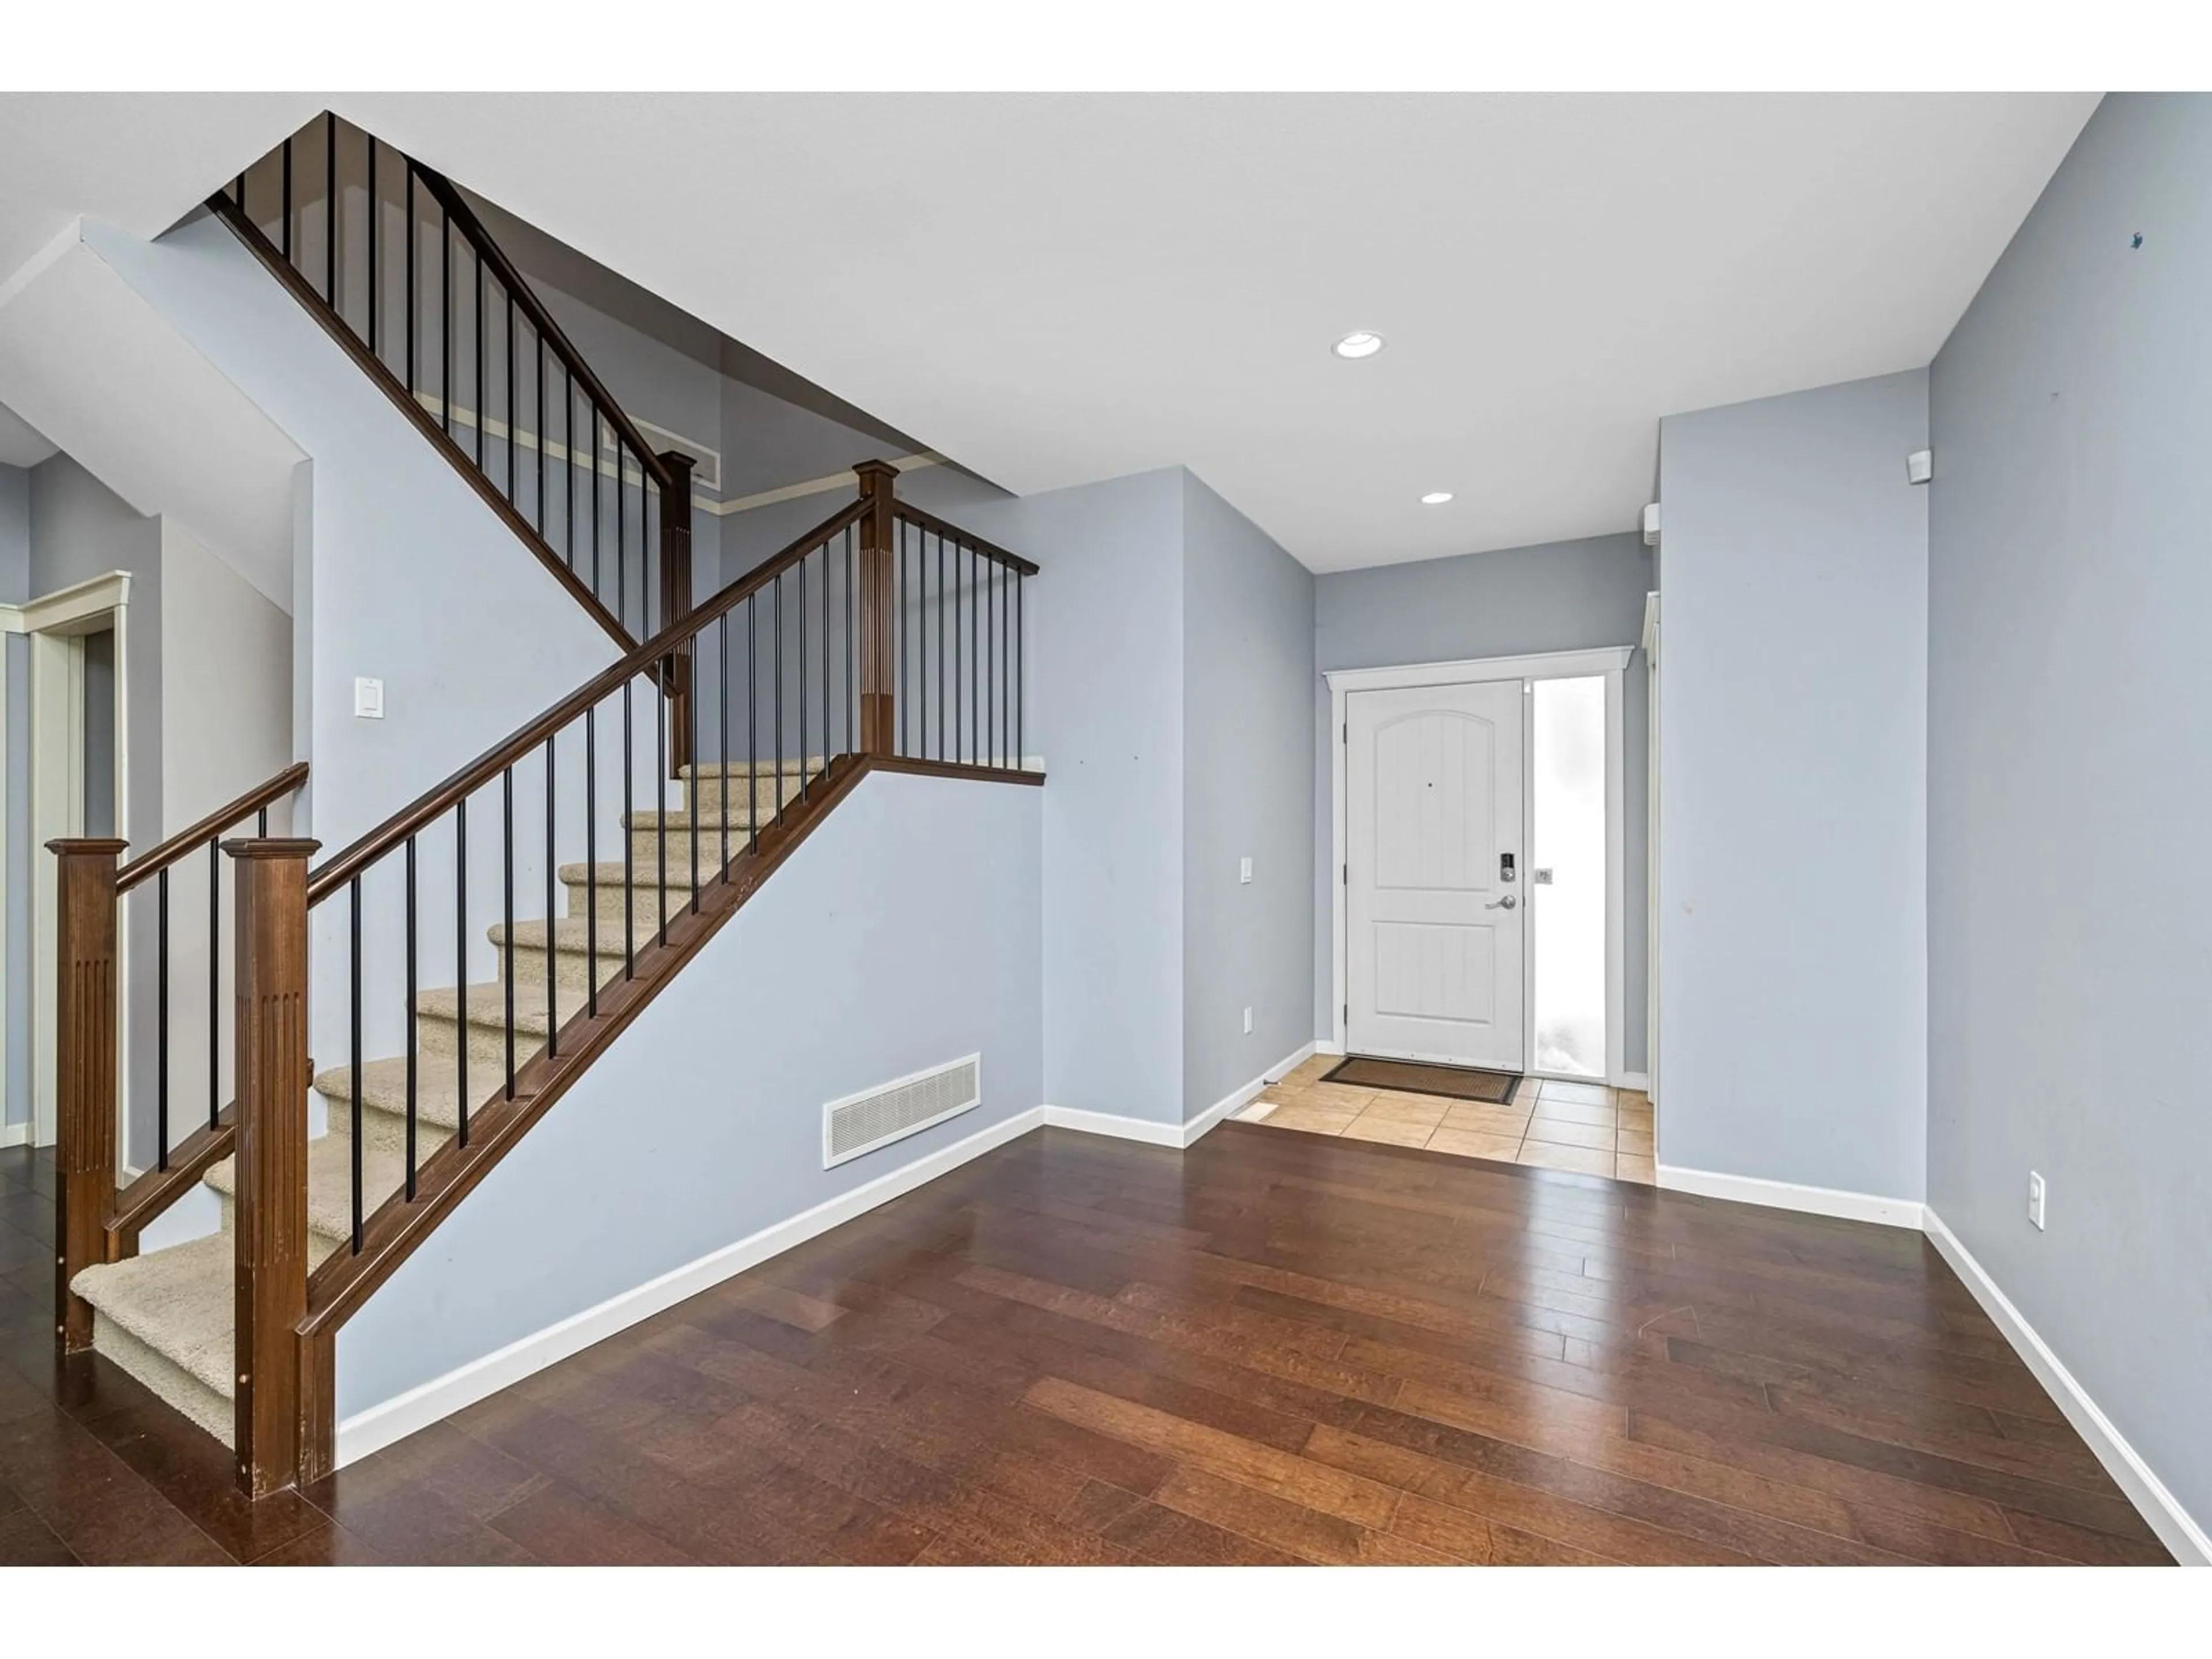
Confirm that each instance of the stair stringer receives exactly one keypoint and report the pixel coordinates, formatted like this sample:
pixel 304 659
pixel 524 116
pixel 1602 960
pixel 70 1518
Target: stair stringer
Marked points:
pixel 906 930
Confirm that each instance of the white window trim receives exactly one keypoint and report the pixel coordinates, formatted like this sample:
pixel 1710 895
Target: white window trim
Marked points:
pixel 1611 662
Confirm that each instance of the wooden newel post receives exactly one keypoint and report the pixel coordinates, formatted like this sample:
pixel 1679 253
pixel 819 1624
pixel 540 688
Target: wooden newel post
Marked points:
pixel 676 603
pixel 85 1060
pixel 878 607
pixel 271 1225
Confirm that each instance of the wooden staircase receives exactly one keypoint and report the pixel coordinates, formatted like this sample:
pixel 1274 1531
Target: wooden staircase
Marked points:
pixel 884 638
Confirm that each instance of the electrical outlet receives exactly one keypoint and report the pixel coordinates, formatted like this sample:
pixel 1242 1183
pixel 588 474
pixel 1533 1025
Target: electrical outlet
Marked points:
pixel 2035 1200
pixel 1247 1022
pixel 1243 870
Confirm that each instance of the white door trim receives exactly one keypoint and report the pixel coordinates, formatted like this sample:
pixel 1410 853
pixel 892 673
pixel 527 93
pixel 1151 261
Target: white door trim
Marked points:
pixel 1612 661
pixel 55 624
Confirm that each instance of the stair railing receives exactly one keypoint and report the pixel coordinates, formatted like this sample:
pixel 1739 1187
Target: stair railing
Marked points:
pixel 94 1222
pixel 388 256
pixel 881 637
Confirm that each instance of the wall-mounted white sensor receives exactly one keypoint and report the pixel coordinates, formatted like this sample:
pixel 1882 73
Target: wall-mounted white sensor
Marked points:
pixel 1651 524
pixel 1920 467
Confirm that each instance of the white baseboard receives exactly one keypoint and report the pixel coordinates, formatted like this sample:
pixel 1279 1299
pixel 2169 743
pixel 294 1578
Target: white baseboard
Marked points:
pixel 2175 1527
pixel 1788 1195
pixel 15 1134
pixel 1325 1046
pixel 1155 1133
pixel 402 1415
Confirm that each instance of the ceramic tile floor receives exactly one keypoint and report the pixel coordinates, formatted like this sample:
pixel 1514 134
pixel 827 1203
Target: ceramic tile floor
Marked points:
pixel 1583 1127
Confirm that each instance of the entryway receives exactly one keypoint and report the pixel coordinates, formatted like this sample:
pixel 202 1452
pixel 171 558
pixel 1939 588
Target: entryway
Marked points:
pixel 1480 811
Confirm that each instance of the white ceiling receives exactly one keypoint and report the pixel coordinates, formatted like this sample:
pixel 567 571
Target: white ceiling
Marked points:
pixel 1057 289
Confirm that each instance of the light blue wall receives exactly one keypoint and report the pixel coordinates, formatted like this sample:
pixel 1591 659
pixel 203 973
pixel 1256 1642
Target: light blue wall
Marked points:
pixel 1793 835
pixel 2069 728
pixel 414 580
pixel 1106 689
pixel 906 932
pixel 1248 778
pixel 1561 596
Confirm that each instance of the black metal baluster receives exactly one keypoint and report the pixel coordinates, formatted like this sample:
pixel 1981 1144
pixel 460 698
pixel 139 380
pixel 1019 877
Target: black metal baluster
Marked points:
pixel 959 665
pixel 330 210
pixel 373 206
pixel 852 676
pixel 162 1024
pixel 538 373
pixel 1021 680
pixel 940 645
pixel 987 574
pixel 828 742
pixel 776 600
pixel 476 386
pixel 722 728
pixel 622 542
pixel 447 308
pixel 512 370
pixel 461 962
pixel 691 748
pixel 414 276
pixel 804 780
pixel 215 974
pixel 629 841
pixel 976 660
pixel 591 856
pixel 506 885
pixel 660 809
pixel 353 896
pixel 753 727
pixel 413 1047
pixel 285 234
pixel 906 648
pixel 595 500
pixel 552 978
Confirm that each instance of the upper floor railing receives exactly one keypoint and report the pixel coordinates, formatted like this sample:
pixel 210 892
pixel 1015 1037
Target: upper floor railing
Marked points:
pixel 389 256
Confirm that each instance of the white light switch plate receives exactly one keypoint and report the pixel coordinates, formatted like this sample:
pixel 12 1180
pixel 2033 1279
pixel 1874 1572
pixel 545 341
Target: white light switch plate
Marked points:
pixel 368 699
pixel 1243 870
pixel 1247 1022
pixel 2035 1196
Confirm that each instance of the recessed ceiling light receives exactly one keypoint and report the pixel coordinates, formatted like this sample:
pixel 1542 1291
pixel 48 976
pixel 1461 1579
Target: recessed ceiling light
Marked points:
pixel 1435 498
pixel 1358 343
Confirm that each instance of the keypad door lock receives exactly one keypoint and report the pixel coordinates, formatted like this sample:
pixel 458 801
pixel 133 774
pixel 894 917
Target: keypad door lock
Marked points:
pixel 1505 868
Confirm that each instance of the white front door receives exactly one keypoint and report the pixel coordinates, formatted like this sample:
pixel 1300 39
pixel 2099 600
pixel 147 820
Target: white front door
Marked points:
pixel 1436 883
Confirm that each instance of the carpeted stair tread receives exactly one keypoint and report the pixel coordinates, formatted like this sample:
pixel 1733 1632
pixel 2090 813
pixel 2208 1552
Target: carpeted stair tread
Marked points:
pixel 329 1179
pixel 645 874
pixel 486 1008
pixel 178 1301
pixel 766 767
pixel 383 1094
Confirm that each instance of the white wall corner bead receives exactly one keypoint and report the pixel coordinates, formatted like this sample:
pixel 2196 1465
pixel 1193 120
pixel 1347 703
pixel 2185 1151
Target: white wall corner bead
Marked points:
pixel 1920 467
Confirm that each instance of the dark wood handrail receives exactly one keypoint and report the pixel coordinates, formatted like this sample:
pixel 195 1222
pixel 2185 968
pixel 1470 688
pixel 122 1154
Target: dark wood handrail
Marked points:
pixel 464 220
pixel 195 836
pixel 929 521
pixel 428 808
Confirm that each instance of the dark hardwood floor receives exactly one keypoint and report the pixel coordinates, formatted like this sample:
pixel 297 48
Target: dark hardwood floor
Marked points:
pixel 1274 1347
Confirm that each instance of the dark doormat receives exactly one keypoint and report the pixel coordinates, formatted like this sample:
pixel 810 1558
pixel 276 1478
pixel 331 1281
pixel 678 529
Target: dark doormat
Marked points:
pixel 1411 1078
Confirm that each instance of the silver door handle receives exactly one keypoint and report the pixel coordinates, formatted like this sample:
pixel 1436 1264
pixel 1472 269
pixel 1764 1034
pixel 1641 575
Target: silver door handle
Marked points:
pixel 1505 903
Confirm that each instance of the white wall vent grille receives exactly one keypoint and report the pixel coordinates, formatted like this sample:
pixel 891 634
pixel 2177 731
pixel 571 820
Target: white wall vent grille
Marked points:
pixel 876 1117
